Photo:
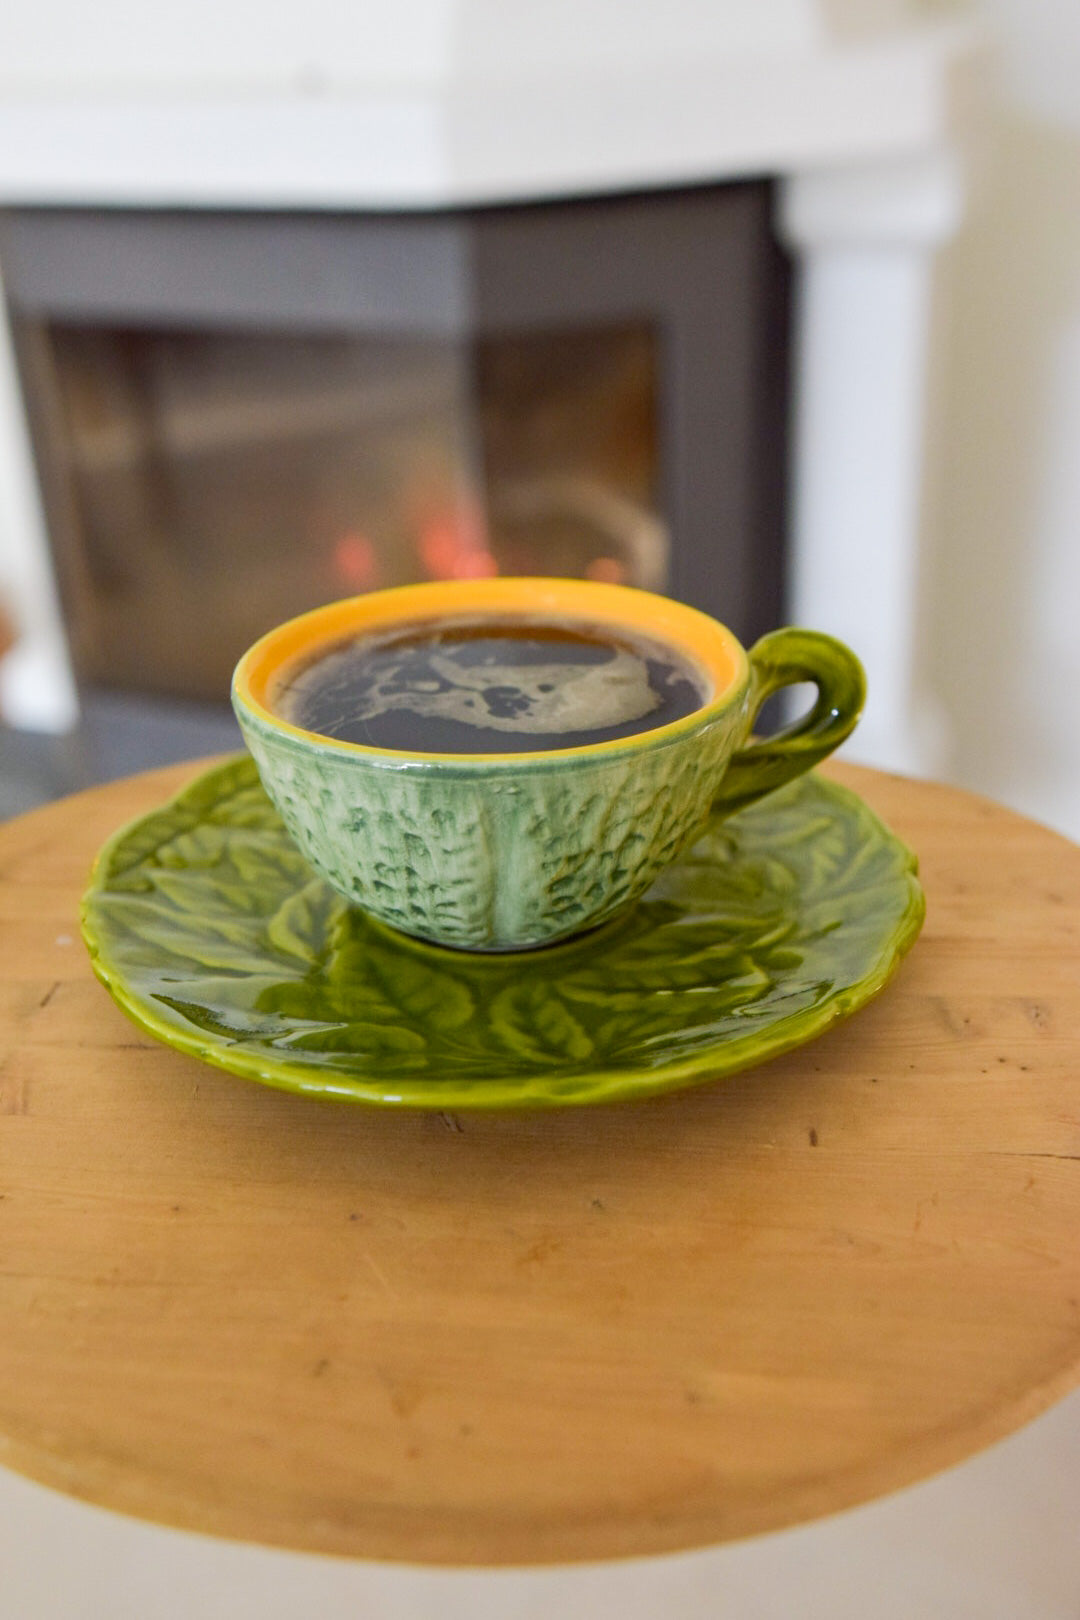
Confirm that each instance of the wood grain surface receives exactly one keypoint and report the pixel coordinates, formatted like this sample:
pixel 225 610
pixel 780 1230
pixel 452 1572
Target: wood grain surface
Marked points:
pixel 557 1336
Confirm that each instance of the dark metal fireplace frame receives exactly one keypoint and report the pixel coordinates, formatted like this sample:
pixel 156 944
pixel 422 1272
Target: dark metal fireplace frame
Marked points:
pixel 702 266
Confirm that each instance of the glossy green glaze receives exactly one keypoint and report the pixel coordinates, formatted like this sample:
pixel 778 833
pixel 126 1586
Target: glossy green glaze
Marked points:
pixel 212 932
pixel 497 852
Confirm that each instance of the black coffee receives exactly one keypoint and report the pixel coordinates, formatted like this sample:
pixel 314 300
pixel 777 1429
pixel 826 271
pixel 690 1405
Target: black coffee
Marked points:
pixel 490 686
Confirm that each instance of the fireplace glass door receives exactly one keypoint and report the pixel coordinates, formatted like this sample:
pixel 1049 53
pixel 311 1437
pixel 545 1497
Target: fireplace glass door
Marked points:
pixel 219 483
pixel 240 416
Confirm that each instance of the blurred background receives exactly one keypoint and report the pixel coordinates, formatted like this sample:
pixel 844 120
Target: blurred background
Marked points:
pixel 772 305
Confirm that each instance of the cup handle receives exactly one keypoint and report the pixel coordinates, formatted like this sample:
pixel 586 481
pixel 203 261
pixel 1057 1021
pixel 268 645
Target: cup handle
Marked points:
pixel 781 659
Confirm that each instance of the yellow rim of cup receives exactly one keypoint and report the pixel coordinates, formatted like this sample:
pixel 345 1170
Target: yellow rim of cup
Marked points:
pixel 710 645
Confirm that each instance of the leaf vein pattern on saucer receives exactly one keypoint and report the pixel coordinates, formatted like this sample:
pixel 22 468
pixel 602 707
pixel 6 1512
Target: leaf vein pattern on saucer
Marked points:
pixel 211 930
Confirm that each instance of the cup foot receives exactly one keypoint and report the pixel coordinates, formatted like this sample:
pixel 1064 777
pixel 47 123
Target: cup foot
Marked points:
pixel 580 936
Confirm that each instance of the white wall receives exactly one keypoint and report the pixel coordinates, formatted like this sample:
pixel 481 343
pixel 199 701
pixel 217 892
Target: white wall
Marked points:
pixel 314 45
pixel 1001 592
pixel 69 46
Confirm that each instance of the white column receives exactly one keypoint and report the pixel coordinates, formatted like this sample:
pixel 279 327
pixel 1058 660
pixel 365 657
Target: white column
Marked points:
pixel 37 689
pixel 865 241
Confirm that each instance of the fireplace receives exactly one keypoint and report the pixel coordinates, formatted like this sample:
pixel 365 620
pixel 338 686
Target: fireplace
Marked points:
pixel 474 290
pixel 236 418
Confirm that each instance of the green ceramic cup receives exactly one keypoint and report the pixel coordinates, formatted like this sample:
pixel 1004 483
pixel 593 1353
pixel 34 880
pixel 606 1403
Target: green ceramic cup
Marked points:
pixel 499 852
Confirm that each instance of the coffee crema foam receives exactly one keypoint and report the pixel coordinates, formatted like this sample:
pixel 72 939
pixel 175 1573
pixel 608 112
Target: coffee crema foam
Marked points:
pixel 490 685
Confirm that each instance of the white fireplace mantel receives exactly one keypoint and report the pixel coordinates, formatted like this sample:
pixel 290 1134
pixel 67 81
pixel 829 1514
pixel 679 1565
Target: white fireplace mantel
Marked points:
pixel 447 103
pixel 669 107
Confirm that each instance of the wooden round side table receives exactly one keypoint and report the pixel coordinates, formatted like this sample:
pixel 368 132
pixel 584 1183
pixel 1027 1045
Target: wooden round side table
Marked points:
pixel 569 1335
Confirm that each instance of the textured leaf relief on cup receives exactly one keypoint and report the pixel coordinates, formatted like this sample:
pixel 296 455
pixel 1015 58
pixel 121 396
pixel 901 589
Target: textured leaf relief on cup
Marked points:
pixel 430 855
